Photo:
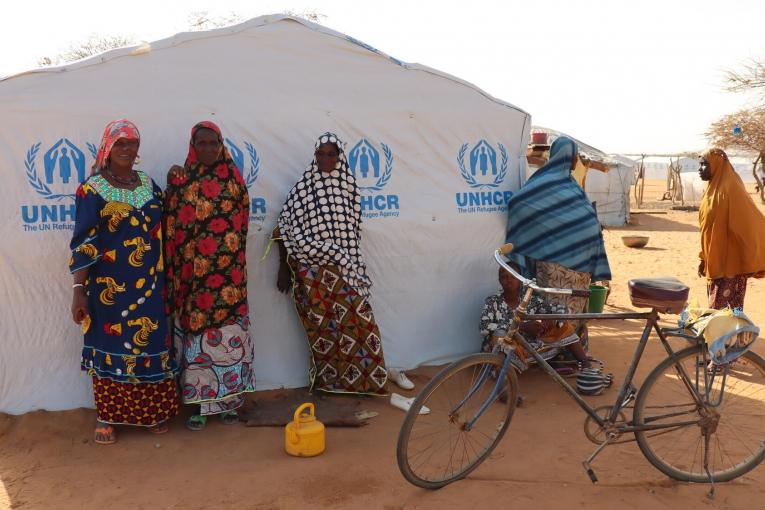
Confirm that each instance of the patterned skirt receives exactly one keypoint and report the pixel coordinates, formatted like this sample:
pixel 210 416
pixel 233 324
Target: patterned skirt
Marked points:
pixel 346 351
pixel 551 274
pixel 142 404
pixel 727 292
pixel 216 366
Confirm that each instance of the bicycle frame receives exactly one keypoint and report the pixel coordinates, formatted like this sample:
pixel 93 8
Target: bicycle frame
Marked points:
pixel 652 414
pixel 651 324
pixel 651 319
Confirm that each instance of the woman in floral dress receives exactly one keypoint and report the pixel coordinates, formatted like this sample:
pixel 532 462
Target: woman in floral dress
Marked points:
pixel 206 217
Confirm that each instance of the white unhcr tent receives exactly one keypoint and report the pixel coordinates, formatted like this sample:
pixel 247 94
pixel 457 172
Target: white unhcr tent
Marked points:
pixel 439 160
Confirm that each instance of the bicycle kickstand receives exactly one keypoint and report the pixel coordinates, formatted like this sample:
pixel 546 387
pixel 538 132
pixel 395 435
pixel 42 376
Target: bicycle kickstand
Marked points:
pixel 587 463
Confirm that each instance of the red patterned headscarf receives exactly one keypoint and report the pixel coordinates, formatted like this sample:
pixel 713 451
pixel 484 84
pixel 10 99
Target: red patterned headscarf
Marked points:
pixel 115 130
pixel 205 124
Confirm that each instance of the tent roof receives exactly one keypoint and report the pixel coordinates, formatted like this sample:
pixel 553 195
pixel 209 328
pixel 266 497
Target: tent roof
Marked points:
pixel 254 23
pixel 588 150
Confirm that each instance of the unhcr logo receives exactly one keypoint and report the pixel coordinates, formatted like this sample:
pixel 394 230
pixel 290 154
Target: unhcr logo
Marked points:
pixel 484 169
pixel 373 170
pixel 250 175
pixel 53 173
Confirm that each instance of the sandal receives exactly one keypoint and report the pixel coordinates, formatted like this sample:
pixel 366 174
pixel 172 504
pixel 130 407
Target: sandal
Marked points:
pixel 566 371
pixel 229 418
pixel 159 428
pixel 104 434
pixel 196 422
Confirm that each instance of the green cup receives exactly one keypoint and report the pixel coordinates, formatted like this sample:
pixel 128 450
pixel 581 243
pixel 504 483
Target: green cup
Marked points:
pixel 597 300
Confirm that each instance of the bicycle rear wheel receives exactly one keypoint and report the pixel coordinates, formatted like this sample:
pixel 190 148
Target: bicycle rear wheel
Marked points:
pixel 729 428
pixel 438 448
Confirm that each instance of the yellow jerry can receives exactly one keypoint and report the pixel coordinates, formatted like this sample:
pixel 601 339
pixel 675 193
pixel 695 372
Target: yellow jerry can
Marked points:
pixel 304 436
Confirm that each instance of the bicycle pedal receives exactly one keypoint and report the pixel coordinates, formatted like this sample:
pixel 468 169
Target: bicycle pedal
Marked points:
pixel 590 472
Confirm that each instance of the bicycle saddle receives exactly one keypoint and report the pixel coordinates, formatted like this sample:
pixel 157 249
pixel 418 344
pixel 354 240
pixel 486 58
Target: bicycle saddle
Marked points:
pixel 665 294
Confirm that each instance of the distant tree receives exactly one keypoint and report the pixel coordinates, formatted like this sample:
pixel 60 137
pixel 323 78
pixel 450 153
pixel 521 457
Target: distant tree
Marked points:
pixel 745 130
pixel 201 20
pixel 310 15
pixel 751 78
pixel 91 46
pixel 95 44
pixel 197 21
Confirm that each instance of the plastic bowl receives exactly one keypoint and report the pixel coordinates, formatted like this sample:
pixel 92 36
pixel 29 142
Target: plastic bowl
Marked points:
pixel 635 241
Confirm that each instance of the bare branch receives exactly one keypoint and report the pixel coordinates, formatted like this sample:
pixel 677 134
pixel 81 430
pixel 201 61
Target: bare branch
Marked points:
pixel 750 78
pixel 91 46
pixel 310 15
pixel 201 20
pixel 744 129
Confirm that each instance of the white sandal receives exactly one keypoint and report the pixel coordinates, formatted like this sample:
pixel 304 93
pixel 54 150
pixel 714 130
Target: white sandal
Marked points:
pixel 403 403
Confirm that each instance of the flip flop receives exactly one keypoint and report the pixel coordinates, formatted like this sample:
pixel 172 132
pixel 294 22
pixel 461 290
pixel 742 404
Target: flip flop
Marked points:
pixel 196 422
pixel 365 415
pixel 104 431
pixel 229 418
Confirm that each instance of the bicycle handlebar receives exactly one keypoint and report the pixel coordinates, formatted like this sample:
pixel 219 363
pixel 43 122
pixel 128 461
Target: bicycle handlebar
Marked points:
pixel 507 248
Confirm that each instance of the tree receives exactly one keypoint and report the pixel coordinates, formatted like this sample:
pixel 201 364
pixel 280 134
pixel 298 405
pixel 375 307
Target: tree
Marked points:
pixel 310 15
pixel 96 44
pixel 201 20
pixel 197 21
pixel 91 46
pixel 745 129
pixel 752 78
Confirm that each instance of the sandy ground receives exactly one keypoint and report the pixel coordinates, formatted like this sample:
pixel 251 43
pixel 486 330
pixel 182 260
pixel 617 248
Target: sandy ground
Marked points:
pixel 47 459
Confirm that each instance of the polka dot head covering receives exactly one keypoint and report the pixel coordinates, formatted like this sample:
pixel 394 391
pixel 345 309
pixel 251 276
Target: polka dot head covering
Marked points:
pixel 320 221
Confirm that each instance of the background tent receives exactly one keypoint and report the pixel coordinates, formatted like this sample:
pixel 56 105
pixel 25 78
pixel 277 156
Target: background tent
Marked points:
pixel 443 158
pixel 693 187
pixel 609 189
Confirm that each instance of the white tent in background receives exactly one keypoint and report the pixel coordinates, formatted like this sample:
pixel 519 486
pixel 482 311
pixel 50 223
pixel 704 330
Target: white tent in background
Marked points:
pixel 444 157
pixel 693 187
pixel 609 190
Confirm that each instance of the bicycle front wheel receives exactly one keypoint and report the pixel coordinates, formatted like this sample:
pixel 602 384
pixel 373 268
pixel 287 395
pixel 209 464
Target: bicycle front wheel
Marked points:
pixel 727 430
pixel 454 437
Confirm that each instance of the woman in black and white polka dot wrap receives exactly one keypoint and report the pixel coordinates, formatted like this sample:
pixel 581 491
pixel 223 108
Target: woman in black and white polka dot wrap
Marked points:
pixel 318 234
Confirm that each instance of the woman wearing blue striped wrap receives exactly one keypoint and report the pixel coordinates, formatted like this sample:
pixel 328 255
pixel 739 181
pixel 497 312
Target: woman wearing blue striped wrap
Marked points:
pixel 555 231
pixel 551 219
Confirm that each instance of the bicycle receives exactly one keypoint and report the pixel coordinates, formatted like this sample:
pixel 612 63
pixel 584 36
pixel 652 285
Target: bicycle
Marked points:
pixel 693 420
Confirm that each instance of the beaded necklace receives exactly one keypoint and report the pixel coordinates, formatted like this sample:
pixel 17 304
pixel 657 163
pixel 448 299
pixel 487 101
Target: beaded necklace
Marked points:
pixel 135 197
pixel 127 182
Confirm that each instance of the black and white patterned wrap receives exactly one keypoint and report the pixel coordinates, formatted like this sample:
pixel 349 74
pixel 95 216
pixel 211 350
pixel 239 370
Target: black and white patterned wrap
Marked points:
pixel 320 220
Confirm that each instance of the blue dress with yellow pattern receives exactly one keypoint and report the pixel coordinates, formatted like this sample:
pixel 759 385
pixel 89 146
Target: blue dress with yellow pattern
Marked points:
pixel 118 235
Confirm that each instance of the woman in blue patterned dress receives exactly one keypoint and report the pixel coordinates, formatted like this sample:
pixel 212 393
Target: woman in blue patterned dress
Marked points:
pixel 117 291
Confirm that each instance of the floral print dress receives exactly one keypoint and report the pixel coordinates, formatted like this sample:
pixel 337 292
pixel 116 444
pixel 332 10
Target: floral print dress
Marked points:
pixel 206 219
